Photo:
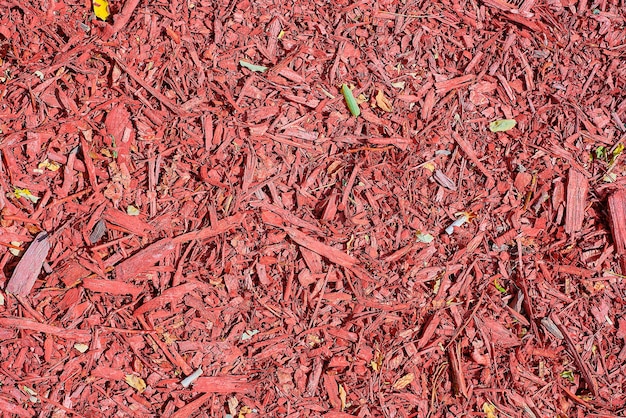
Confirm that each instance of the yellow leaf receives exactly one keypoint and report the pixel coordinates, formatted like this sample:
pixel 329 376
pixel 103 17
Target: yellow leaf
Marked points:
pixel 15 249
pixel 244 411
pixel 233 403
pixel 81 348
pixel 342 395
pixel 489 410
pixel 313 340
pixel 32 394
pixel 502 125
pixel 168 338
pixel 132 210
pixel 425 238
pixel 404 381
pixel 50 165
pixel 383 102
pixel 26 194
pixel 135 382
pixel 101 9
pixel 377 361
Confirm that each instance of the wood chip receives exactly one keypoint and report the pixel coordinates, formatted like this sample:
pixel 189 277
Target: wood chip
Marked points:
pixel 577 188
pixel 214 205
pixel 29 267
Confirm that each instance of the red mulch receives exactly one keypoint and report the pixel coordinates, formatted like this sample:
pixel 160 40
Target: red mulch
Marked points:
pixel 183 187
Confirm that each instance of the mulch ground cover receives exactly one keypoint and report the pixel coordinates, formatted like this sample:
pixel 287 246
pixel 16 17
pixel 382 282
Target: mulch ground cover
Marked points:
pixel 312 209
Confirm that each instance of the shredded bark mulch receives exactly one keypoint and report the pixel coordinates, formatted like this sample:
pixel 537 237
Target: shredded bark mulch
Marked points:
pixel 312 209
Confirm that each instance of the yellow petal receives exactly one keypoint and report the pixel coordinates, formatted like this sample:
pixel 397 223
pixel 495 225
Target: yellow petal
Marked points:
pixel 101 9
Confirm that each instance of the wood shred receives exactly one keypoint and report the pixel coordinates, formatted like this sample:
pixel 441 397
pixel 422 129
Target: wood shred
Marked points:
pixel 194 224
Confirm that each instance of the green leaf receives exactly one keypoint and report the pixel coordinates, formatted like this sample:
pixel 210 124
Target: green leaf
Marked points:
pixel 353 106
pixel 253 67
pixel 502 125
pixel 567 374
pixel 498 286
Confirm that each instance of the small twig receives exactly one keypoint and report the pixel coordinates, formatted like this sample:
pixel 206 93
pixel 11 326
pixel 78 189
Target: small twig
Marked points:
pixel 319 299
pixel 466 323
pixel 433 393
pixel 139 80
pixel 121 19
pixel 571 347
pixel 383 12
pixel 454 354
